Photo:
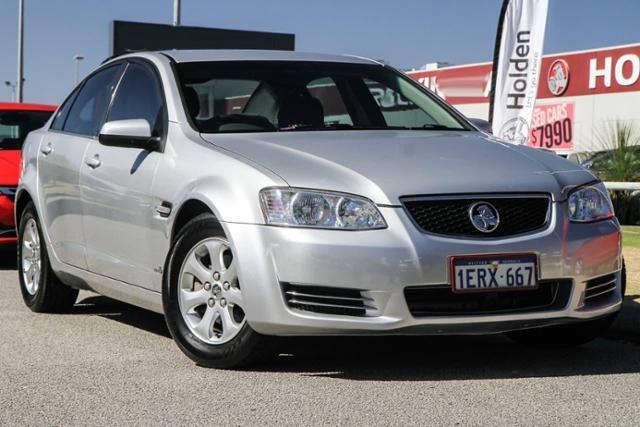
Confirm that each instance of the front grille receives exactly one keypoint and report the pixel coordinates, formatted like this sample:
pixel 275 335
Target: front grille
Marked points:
pixel 600 289
pixel 450 216
pixel 328 300
pixel 441 301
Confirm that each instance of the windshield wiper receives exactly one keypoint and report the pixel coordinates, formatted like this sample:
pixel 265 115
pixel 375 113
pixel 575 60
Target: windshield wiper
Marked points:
pixel 345 126
pixel 424 127
pixel 436 127
pixel 305 127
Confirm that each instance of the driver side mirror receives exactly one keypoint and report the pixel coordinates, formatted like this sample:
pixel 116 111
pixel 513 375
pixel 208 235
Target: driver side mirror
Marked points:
pixel 131 133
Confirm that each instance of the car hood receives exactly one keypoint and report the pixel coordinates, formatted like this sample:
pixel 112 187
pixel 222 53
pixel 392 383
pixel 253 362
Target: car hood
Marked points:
pixel 9 167
pixel 386 165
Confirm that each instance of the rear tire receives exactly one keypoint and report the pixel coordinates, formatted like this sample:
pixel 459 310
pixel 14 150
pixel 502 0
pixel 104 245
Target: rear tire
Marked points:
pixel 559 336
pixel 41 290
pixel 202 300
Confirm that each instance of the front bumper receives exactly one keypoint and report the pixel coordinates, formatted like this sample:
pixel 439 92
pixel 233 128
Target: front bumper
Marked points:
pixel 382 263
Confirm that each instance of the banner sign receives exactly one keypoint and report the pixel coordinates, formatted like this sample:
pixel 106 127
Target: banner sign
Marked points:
pixel 517 67
pixel 552 126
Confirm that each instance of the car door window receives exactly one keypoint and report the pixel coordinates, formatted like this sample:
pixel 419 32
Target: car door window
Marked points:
pixel 63 111
pixel 90 106
pixel 139 97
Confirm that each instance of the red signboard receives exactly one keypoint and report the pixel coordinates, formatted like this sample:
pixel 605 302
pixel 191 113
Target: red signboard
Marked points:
pixel 592 72
pixel 552 126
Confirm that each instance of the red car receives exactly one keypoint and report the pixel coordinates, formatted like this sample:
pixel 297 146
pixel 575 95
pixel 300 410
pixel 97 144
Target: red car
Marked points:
pixel 16 121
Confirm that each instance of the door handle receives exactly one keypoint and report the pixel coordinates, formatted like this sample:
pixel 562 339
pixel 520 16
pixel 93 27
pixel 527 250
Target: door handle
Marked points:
pixel 93 162
pixel 47 149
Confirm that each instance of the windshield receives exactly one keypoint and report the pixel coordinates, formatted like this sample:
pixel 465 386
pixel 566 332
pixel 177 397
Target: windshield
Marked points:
pixel 15 125
pixel 255 96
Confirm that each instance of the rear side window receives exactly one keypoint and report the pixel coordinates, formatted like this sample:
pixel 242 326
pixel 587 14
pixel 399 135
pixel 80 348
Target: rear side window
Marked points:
pixel 63 112
pixel 139 97
pixel 89 109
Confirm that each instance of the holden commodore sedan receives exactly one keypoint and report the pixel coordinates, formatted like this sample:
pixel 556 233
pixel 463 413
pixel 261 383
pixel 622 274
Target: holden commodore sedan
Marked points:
pixel 247 195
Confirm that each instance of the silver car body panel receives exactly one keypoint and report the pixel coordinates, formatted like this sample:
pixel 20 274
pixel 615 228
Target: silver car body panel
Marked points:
pixel 61 202
pixel 430 162
pixel 117 198
pixel 109 210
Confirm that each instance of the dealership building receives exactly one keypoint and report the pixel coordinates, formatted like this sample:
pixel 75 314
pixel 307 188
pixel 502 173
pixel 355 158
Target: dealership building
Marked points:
pixel 579 94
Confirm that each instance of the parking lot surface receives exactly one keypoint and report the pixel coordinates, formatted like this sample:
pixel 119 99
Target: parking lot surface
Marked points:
pixel 111 363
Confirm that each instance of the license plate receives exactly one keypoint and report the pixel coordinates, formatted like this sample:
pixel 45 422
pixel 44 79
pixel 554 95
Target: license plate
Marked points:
pixel 487 273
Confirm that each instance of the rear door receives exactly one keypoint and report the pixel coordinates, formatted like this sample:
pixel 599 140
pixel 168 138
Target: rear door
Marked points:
pixel 62 152
pixel 119 209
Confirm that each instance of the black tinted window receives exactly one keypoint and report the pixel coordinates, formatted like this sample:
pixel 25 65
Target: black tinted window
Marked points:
pixel 15 125
pixel 89 108
pixel 139 97
pixel 63 112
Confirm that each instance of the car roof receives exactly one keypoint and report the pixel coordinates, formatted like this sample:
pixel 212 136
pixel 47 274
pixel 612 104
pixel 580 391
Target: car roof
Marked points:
pixel 21 106
pixel 203 55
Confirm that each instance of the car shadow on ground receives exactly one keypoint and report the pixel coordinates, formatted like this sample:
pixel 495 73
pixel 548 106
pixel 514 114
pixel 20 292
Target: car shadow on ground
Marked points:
pixel 452 358
pixel 123 313
pixel 8 260
pixel 412 358
pixel 628 321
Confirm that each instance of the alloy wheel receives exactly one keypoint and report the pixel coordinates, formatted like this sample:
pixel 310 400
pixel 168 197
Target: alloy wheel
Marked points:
pixel 31 257
pixel 209 293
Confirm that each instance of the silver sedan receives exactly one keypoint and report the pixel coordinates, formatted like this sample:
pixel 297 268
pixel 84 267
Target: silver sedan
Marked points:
pixel 249 194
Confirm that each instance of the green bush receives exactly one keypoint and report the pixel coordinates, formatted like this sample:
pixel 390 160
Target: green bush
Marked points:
pixel 621 162
pixel 626 206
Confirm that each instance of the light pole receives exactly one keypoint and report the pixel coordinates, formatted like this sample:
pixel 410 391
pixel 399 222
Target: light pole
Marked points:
pixel 12 87
pixel 78 58
pixel 20 79
pixel 176 13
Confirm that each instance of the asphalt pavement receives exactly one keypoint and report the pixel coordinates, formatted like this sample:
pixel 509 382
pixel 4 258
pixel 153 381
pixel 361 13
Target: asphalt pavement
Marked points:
pixel 110 363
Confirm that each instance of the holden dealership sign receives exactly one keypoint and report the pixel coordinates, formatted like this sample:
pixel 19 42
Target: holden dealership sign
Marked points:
pixel 625 72
pixel 577 94
pixel 558 77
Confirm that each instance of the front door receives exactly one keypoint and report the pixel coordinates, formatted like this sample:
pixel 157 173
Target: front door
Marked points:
pixel 62 152
pixel 118 207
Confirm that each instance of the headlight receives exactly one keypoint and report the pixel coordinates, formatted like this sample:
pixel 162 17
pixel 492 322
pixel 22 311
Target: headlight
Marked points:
pixel 591 203
pixel 308 208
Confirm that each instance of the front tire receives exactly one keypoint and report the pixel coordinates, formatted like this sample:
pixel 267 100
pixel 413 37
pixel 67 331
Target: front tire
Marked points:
pixel 41 290
pixel 203 300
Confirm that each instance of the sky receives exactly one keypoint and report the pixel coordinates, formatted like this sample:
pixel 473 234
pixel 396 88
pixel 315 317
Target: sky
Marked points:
pixel 405 33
